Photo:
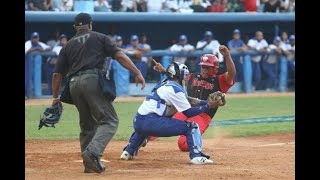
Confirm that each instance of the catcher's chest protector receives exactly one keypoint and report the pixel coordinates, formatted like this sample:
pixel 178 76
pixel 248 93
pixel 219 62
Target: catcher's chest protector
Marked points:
pixel 200 88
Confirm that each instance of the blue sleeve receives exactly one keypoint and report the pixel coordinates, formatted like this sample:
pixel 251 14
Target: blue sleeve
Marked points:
pixel 203 102
pixel 193 111
pixel 230 43
pixel 242 43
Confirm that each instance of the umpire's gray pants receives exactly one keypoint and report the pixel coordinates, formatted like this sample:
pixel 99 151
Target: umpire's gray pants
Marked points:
pixel 98 119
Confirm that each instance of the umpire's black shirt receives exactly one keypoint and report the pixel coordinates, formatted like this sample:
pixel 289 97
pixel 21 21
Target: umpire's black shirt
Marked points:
pixel 86 50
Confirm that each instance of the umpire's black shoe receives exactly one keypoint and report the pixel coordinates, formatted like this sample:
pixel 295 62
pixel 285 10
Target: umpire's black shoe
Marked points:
pixel 87 169
pixel 93 162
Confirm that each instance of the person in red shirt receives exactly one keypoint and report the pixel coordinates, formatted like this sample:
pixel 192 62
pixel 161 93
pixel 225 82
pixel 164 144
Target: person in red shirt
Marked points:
pixel 200 85
pixel 250 5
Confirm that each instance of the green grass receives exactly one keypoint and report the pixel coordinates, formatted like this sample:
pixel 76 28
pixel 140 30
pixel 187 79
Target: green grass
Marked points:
pixel 236 108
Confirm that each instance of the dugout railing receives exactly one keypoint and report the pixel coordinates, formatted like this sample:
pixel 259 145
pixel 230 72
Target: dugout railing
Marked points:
pixel 166 58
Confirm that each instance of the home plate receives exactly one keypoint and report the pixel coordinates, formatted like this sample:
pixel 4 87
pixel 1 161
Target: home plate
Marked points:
pixel 103 160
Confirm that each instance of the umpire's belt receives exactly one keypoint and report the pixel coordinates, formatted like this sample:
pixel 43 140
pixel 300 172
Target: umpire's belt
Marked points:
pixel 87 71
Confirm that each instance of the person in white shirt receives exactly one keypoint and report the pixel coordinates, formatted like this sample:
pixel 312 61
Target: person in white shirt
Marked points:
pixel 183 47
pixel 33 48
pixel 51 61
pixel 209 43
pixel 129 5
pixel 260 45
pixel 171 6
pixel 270 63
pixel 102 6
pixel 155 5
pixel 152 119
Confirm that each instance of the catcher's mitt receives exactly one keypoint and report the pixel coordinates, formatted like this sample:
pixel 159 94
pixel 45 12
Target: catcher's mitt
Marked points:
pixel 51 116
pixel 218 96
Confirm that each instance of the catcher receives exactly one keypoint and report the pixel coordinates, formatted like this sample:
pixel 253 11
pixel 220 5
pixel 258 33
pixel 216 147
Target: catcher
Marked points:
pixel 201 85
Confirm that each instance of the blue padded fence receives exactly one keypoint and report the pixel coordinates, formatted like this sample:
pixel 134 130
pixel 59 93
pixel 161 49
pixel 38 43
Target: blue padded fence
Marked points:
pixel 122 77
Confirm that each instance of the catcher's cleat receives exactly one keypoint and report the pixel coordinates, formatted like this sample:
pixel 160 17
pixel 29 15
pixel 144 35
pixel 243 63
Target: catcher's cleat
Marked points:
pixel 201 160
pixel 145 142
pixel 93 162
pixel 205 155
pixel 126 156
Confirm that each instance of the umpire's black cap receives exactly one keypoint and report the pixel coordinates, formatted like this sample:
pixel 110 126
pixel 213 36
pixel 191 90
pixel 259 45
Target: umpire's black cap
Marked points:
pixel 82 19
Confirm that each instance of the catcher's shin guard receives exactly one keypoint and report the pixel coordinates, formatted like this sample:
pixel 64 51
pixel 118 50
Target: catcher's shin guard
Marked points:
pixel 194 139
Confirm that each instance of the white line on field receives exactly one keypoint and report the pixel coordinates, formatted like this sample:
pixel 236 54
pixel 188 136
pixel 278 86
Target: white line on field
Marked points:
pixel 103 160
pixel 257 146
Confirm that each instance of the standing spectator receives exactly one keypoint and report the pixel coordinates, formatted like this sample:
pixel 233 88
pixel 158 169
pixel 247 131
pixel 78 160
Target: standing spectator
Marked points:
pixel 236 44
pixel 250 5
pixel 155 5
pixel 171 6
pixel 290 53
pixel 209 43
pixel 184 6
pixel 102 6
pixel 145 48
pixel 141 5
pixel 183 47
pixel 54 39
pixel 32 49
pixel 284 38
pixel 40 5
pixel 270 64
pixel 200 5
pixel 134 49
pixel 116 5
pixel 121 75
pixel 119 42
pixel 51 61
pixel 235 6
pixel 260 5
pixel 217 6
pixel 260 45
pixel 273 6
pixel 291 6
pixel 26 6
pixel 62 5
pixel 129 5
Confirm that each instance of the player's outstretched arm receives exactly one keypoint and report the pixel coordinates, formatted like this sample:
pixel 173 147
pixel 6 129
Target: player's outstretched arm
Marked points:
pixel 158 67
pixel 231 69
pixel 125 61
pixel 196 102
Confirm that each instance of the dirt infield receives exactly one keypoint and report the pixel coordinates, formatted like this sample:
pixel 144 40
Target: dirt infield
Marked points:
pixel 257 157
pixel 140 99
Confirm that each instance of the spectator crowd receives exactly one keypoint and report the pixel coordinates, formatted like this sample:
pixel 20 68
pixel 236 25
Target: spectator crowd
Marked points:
pixel 158 6
pixel 265 67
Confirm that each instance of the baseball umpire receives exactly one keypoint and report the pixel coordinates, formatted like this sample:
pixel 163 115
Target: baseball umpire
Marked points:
pixel 81 60
pixel 201 85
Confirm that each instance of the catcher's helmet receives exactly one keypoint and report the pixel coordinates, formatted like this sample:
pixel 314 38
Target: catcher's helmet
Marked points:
pixel 177 70
pixel 51 116
pixel 209 60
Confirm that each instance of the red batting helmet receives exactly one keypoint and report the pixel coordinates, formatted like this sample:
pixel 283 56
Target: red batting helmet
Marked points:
pixel 209 60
